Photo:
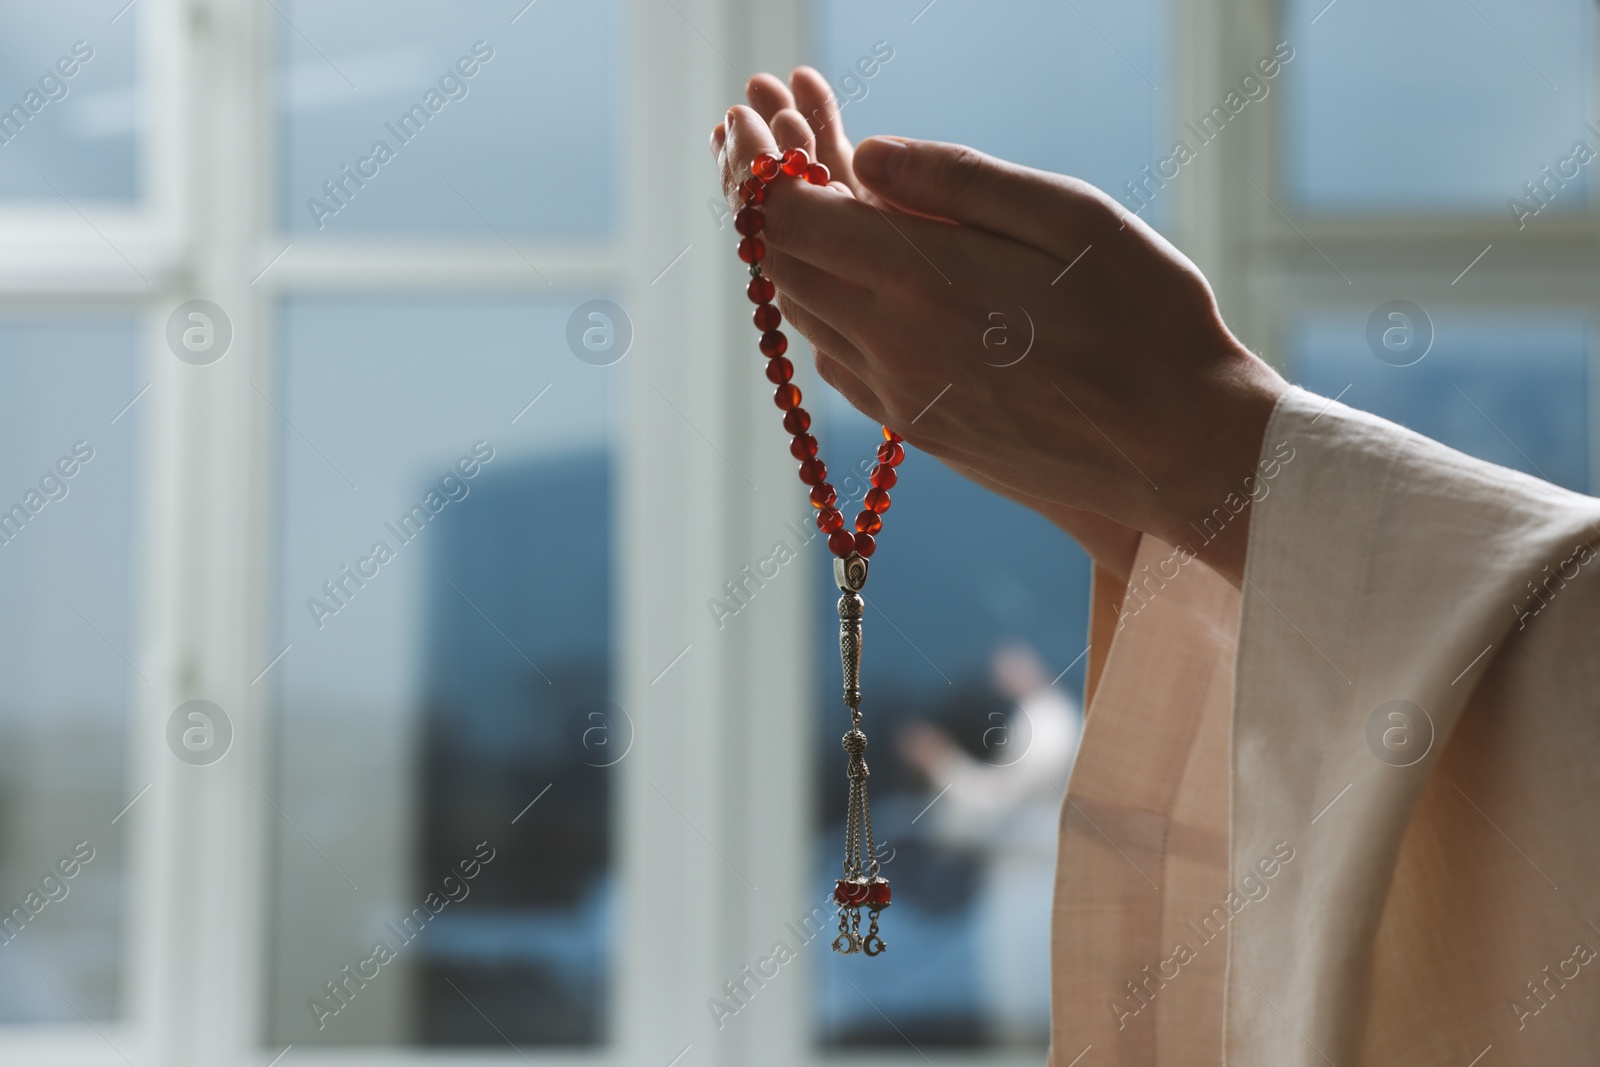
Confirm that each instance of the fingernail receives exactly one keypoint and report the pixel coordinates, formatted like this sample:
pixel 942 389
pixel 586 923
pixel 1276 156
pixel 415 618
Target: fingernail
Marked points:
pixel 880 159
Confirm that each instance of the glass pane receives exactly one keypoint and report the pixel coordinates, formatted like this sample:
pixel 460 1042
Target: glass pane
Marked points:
pixel 1437 105
pixel 429 696
pixel 68 655
pixel 1088 72
pixel 418 116
pixel 971 693
pixel 70 104
pixel 1511 388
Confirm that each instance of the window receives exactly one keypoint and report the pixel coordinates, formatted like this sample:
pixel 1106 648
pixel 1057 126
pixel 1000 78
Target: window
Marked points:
pixel 88 149
pixel 433 688
pixel 1531 416
pixel 1450 83
pixel 370 513
pixel 1424 276
pixel 71 654
pixel 459 99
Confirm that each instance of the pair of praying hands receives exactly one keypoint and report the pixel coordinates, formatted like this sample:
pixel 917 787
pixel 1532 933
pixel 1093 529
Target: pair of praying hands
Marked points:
pixel 923 273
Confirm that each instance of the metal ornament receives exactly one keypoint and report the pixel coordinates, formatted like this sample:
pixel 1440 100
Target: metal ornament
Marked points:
pixel 860 885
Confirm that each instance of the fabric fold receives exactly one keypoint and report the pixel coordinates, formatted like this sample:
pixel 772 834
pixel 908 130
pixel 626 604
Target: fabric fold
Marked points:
pixel 1380 609
pixel 1345 815
pixel 1143 851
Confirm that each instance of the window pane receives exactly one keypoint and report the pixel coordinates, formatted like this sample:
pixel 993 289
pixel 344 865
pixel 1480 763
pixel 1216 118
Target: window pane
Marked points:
pixel 1088 73
pixel 978 669
pixel 448 117
pixel 1508 387
pixel 1436 105
pixel 70 103
pixel 67 652
pixel 432 689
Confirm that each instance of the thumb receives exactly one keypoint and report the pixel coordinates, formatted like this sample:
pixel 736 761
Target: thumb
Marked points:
pixel 951 181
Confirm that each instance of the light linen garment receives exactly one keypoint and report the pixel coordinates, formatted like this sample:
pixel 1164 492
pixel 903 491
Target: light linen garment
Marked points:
pixel 1351 815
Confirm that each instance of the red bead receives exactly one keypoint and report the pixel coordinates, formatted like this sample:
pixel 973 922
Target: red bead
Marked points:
pixel 848 892
pixel 768 317
pixel 813 472
pixel 823 496
pixel 787 396
pixel 830 520
pixel 890 435
pixel 868 522
pixel 817 174
pixel 779 370
pixel 877 895
pixel 752 249
pixel 841 544
pixel 774 343
pixel 890 453
pixel 752 191
pixel 765 166
pixel 804 446
pixel 877 500
pixel 884 477
pixel 797 421
pixel 749 221
pixel 761 290
pixel 795 162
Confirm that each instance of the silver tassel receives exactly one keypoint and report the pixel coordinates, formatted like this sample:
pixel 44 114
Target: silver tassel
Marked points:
pixel 860 885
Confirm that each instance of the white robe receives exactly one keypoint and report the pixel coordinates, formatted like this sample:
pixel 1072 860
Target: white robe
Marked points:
pixel 1248 873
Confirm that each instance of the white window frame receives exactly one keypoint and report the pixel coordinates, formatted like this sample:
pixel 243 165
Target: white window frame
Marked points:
pixel 1269 272
pixel 207 226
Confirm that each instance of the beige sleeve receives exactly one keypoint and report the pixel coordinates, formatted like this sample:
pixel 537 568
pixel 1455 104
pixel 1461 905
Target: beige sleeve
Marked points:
pixel 1143 830
pixel 1259 863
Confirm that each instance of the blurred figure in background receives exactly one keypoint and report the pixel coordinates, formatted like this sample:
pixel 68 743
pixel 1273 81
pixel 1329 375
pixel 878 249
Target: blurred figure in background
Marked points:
pixel 1004 807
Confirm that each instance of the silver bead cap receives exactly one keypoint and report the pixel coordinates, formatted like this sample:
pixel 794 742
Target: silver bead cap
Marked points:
pixel 850 573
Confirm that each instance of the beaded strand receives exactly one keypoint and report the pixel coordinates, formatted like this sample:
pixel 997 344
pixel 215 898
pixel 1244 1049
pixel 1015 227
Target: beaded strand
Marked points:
pixel 861 886
pixel 749 222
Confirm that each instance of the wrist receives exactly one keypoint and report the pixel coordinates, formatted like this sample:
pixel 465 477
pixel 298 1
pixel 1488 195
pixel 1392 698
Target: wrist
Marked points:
pixel 1218 477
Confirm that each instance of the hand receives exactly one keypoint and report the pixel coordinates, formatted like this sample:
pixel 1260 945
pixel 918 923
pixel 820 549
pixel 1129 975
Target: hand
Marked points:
pixel 806 114
pixel 1134 402
pixel 927 748
pixel 807 117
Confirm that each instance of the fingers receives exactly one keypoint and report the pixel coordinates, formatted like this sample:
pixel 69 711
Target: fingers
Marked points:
pixel 747 137
pixel 853 389
pixel 819 225
pixel 822 335
pixel 844 306
pixel 767 95
pixel 1049 211
pixel 789 129
pixel 814 99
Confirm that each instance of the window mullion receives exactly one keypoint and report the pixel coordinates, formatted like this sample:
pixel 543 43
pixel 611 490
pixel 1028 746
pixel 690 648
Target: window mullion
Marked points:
pixel 227 533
